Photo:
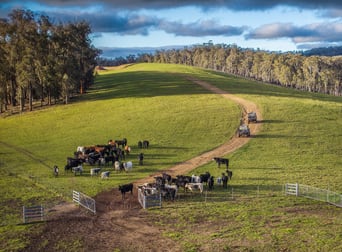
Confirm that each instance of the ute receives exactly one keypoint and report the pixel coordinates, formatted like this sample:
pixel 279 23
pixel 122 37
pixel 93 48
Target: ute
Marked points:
pixel 244 130
pixel 252 117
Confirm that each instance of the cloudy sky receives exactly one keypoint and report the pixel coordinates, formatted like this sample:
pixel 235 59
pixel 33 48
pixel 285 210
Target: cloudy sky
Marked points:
pixel 283 25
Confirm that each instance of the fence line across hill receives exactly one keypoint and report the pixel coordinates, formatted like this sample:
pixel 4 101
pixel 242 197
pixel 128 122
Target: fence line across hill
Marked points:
pixel 314 193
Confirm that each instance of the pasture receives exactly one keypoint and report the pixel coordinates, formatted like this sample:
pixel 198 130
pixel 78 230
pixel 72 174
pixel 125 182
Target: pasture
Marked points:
pixel 300 142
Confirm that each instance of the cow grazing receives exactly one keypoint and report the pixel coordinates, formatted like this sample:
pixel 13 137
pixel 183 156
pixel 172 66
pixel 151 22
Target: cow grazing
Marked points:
pixel 117 166
pixel 194 186
pixel 128 166
pixel 94 171
pixel 125 188
pixel 105 175
pixel 77 169
pixel 220 161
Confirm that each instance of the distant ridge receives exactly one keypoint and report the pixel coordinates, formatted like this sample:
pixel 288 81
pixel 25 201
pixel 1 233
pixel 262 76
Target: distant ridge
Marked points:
pixel 117 52
pixel 324 51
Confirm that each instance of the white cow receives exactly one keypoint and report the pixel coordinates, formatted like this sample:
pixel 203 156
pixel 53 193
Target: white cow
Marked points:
pixel 77 169
pixel 128 166
pixel 117 166
pixel 105 175
pixel 194 186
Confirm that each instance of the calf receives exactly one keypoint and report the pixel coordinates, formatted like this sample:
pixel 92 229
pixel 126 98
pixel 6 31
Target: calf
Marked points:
pixel 125 188
pixel 94 171
pixel 78 169
pixel 105 174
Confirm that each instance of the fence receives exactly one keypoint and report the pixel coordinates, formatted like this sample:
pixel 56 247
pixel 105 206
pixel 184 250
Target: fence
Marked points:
pixel 33 214
pixel 147 201
pixel 84 200
pixel 314 193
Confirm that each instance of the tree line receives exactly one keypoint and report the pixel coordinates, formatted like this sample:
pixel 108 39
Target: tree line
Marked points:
pixel 41 61
pixel 309 73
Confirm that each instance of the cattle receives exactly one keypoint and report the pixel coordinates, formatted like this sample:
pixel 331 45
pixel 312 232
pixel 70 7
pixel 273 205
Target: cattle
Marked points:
pixel 118 166
pixel 168 193
pixel 108 159
pixel 125 188
pixel 230 174
pixel 195 179
pixel 220 161
pixel 122 142
pixel 145 144
pixel 77 169
pixel 204 177
pixel 211 183
pixel 173 189
pixel 182 180
pixel 224 180
pixel 72 162
pixel 167 177
pixel 141 158
pixel 105 175
pixel 148 189
pixel 94 171
pixel 127 150
pixel 140 145
pixel 128 166
pixel 194 186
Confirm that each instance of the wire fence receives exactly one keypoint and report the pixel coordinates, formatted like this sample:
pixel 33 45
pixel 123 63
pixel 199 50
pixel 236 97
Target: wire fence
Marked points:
pixel 314 193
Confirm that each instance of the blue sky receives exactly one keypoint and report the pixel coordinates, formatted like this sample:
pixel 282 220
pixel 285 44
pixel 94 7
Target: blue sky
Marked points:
pixel 285 25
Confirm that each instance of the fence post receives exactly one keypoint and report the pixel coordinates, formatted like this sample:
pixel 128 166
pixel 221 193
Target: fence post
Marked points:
pixel 297 191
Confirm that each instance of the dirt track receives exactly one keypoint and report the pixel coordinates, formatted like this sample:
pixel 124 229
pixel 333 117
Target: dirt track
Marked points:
pixel 127 227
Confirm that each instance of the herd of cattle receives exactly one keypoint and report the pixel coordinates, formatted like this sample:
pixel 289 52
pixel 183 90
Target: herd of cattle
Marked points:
pixel 168 186
pixel 114 153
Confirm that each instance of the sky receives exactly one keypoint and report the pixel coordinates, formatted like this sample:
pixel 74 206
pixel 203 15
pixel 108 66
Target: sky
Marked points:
pixel 127 26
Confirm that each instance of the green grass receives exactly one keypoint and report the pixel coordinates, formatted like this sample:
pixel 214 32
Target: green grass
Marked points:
pixel 300 142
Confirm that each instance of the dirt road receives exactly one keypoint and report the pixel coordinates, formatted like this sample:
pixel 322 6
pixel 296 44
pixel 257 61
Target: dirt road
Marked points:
pixel 126 227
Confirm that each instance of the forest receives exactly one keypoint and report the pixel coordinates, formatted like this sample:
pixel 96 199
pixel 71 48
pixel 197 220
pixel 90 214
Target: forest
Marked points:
pixel 320 74
pixel 43 62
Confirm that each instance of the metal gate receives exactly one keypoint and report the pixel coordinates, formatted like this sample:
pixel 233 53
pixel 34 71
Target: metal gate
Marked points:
pixel 84 200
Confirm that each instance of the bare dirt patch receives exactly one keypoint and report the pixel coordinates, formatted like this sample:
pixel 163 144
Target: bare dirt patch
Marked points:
pixel 124 225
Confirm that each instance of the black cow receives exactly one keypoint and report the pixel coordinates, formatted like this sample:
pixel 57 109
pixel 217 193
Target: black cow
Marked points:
pixel 167 177
pixel 182 181
pixel 211 183
pixel 204 177
pixel 230 174
pixel 220 161
pixel 125 188
pixel 72 162
pixel 140 145
pixel 141 158
pixel 145 144
pixel 224 180
pixel 122 142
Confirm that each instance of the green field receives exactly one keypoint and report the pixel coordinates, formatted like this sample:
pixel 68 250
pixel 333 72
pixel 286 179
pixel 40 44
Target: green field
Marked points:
pixel 300 141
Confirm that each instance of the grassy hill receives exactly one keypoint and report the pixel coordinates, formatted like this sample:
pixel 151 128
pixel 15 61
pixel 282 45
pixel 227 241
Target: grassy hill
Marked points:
pixel 300 142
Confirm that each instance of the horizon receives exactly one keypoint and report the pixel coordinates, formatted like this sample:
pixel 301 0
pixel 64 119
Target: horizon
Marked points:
pixel 280 27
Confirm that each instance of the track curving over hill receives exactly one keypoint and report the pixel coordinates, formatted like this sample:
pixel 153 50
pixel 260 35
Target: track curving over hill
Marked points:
pixel 126 226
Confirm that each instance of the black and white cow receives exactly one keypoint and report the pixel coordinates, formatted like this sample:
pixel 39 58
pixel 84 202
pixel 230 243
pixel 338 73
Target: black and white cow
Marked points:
pixel 94 171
